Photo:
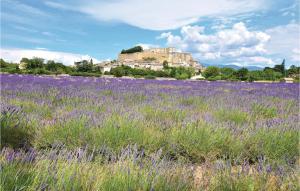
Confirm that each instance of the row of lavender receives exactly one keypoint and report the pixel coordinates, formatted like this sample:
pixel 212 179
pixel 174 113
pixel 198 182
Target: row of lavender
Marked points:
pixel 203 134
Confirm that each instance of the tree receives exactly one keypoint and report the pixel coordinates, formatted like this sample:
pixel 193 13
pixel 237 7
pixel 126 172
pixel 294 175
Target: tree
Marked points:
pixel 293 71
pixel 242 73
pixel 211 71
pixel 255 75
pixel 33 63
pixel 165 65
pixel 84 66
pixel 55 67
pixel 118 72
pixel 181 72
pixel 132 50
pixel 270 74
pixel 3 64
pixel 280 67
pixel 226 72
pixel 267 68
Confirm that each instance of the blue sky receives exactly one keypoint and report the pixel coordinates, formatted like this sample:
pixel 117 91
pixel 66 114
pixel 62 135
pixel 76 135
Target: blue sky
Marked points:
pixel 216 32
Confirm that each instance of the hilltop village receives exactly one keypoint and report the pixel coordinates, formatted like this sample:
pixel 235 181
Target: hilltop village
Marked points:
pixel 153 59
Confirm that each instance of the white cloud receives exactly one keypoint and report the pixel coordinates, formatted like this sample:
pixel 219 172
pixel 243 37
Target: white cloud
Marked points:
pixel 23 8
pixel 285 41
pixel 29 39
pixel 157 14
pixel 40 48
pixel 237 44
pixel 256 61
pixel 296 55
pixel 15 55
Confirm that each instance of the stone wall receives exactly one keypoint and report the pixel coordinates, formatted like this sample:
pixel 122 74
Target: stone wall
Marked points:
pixel 160 55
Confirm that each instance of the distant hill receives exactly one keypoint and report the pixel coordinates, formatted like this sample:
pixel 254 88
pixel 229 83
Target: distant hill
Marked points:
pixel 234 66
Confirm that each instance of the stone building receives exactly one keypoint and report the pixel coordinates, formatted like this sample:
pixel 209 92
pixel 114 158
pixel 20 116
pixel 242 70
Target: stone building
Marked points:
pixel 154 58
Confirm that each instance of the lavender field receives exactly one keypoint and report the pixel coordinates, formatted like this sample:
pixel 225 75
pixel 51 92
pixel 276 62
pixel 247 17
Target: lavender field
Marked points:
pixel 80 133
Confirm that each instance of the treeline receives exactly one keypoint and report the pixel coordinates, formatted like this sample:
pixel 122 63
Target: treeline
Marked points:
pixel 277 73
pixel 132 50
pixel 39 66
pixel 87 68
pixel 179 73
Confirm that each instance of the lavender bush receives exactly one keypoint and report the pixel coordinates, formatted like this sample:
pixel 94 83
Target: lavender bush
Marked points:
pixel 79 133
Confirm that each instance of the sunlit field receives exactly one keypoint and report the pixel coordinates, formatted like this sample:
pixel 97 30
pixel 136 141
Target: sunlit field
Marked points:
pixel 84 133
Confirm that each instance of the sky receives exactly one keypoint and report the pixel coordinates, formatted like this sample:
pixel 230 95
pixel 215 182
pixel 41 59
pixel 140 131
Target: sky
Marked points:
pixel 217 32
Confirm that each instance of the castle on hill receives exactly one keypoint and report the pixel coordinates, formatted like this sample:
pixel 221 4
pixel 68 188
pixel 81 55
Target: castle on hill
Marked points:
pixel 154 59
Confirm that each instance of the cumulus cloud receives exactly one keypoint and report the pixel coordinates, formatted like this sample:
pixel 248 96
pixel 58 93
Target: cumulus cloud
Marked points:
pixel 296 55
pixel 157 14
pixel 15 55
pixel 285 41
pixel 237 44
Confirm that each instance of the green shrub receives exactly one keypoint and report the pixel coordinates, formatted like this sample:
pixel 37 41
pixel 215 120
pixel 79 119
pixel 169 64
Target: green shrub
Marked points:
pixel 12 70
pixel 15 133
pixel 211 72
pixel 200 142
pixel 38 71
pixel 138 76
pixel 182 76
pixel 214 78
pixel 275 145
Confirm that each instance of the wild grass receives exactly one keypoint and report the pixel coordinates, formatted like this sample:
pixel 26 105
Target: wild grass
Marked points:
pixel 81 170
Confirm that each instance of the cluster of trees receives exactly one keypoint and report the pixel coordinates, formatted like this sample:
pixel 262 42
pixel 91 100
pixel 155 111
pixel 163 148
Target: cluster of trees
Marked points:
pixel 9 67
pixel 86 68
pixel 132 50
pixel 273 74
pixel 35 66
pixel 171 72
pixel 39 66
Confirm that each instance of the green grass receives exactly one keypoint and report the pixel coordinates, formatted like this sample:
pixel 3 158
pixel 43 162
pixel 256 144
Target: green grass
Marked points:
pixel 196 142
pixel 235 116
pixel 72 175
pixel 116 133
pixel 275 145
pixel 262 111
